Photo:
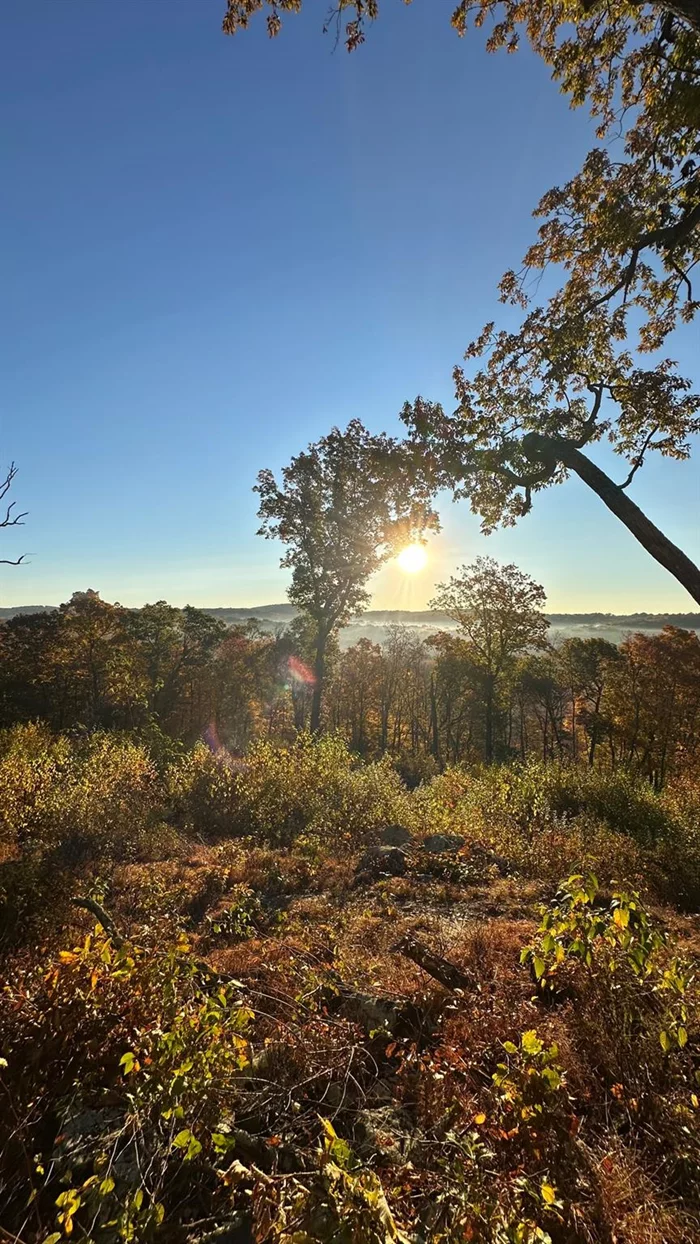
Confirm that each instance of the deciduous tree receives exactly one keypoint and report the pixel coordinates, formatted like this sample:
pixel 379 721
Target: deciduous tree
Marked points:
pixel 652 699
pixel 583 666
pixel 498 610
pixel 344 507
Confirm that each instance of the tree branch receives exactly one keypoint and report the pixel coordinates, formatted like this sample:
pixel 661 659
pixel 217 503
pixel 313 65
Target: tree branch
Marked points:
pixel 10 519
pixel 554 449
pixel 685 279
pixel 102 917
pixel 588 427
pixel 640 457
pixel 13 520
pixel 448 974
pixel 665 238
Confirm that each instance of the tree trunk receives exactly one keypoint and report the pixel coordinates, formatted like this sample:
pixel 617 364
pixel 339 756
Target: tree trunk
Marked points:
pixel 319 675
pixel 434 726
pixel 489 718
pixel 523 745
pixel 384 736
pixel 595 724
pixel 687 10
pixel 448 974
pixel 554 449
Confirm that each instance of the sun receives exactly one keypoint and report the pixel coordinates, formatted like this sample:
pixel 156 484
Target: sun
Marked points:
pixel 412 559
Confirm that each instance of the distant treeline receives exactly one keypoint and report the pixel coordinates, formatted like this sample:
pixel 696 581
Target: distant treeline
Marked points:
pixel 284 612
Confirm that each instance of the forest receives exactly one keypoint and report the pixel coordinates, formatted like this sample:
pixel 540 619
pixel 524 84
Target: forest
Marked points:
pixel 172 677
pixel 398 942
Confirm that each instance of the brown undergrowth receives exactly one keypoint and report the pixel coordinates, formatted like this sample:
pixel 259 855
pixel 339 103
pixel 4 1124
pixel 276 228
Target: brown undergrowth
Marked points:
pixel 261 1047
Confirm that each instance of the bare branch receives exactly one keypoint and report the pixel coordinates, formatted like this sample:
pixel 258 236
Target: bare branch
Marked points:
pixel 639 460
pixel 13 520
pixel 102 917
pixel 10 519
pixel 7 482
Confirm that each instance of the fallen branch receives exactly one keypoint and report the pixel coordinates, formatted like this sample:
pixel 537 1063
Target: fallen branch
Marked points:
pixel 448 974
pixel 102 917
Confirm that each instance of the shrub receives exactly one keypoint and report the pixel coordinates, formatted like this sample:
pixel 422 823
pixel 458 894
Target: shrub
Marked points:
pixel 676 860
pixel 203 792
pixel 414 768
pixel 138 1064
pixel 68 806
pixel 548 817
pixel 616 941
pixel 313 787
pixel 76 798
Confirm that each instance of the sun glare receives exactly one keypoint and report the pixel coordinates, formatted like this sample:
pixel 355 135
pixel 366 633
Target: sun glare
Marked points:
pixel 412 559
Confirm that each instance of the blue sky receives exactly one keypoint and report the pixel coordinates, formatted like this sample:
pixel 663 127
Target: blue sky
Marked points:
pixel 215 249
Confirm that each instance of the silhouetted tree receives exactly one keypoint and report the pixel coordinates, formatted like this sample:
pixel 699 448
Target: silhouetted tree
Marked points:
pixel 625 233
pixel 344 507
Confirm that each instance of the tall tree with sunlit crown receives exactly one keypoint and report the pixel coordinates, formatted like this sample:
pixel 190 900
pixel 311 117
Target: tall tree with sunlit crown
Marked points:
pixel 344 507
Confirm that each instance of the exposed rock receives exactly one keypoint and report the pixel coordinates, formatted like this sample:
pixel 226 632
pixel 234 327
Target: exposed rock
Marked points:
pixel 237 1230
pixel 485 855
pixel 380 1093
pixel 82 1130
pixel 233 1230
pixel 437 843
pixel 394 836
pixel 382 861
pixel 85 1132
pixel 333 1096
pixel 386 1132
pixel 372 1013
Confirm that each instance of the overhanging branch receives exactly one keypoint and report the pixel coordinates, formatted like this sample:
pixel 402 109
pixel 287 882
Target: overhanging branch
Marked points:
pixel 555 450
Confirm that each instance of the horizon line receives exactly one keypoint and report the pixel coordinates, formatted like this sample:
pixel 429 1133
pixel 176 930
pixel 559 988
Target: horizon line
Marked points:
pixel 250 610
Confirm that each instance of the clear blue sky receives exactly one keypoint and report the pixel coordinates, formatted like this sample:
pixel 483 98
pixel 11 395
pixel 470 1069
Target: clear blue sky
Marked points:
pixel 214 249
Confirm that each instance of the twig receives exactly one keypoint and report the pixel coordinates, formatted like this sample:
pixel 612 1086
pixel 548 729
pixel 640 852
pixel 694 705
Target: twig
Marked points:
pixel 103 917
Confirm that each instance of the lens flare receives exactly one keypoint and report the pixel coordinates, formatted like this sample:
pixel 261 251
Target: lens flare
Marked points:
pixel 221 752
pixel 412 559
pixel 298 672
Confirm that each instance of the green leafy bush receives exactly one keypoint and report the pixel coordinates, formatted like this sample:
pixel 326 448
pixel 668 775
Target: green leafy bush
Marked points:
pixel 69 806
pixel 313 787
pixel 616 940
pixel 96 795
pixel 140 1061
pixel 547 817
pixel 239 919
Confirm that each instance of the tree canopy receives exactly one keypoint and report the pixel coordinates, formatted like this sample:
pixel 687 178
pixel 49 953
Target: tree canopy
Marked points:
pixel 498 610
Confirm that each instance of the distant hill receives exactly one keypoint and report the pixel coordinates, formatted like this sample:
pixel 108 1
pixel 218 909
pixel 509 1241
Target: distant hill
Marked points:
pixel 13 610
pixel 373 625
